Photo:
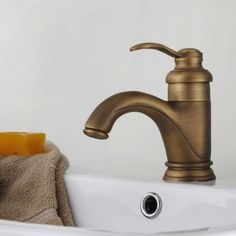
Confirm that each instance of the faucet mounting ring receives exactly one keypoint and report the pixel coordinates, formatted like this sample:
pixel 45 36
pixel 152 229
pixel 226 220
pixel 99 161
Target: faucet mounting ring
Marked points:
pixel 189 171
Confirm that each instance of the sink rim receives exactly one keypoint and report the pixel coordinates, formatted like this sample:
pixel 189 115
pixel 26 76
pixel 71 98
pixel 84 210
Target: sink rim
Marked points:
pixel 44 230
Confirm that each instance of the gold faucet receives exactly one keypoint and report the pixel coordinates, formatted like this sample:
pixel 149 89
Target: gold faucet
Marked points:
pixel 184 120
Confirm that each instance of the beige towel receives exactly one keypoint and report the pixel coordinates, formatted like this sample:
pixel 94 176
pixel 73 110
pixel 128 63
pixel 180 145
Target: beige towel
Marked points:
pixel 32 189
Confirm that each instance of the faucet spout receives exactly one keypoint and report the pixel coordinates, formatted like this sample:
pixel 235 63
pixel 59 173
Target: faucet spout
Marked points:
pixel 104 116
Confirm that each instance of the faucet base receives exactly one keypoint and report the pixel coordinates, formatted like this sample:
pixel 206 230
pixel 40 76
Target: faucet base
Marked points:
pixel 189 172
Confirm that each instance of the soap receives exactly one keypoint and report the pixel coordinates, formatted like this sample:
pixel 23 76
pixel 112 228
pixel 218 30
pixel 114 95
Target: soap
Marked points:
pixel 21 143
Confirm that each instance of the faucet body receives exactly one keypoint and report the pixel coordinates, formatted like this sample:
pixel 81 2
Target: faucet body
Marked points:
pixel 184 120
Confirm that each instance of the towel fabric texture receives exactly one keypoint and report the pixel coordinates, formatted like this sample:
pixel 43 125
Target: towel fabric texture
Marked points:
pixel 32 189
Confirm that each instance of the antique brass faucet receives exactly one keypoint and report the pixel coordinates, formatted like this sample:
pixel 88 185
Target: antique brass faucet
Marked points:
pixel 184 120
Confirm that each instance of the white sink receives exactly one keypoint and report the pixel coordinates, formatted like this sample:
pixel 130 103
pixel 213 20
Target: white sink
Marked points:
pixel 114 204
pixel 111 206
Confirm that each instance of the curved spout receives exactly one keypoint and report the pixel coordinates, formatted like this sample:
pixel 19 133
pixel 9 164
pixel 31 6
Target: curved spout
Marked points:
pixel 104 116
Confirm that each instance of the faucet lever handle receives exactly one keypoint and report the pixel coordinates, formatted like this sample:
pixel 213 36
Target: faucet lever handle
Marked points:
pixel 159 47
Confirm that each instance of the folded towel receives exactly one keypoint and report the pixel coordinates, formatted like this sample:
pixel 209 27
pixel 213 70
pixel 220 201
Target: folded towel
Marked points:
pixel 32 189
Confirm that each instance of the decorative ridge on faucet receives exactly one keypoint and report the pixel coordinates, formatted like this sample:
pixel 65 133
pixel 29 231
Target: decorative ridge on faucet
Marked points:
pixel 184 120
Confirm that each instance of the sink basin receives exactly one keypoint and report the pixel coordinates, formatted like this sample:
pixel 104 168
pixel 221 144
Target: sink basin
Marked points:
pixel 111 206
pixel 114 204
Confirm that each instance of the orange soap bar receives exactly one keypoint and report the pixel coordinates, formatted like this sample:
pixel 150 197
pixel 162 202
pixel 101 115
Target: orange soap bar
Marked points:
pixel 21 143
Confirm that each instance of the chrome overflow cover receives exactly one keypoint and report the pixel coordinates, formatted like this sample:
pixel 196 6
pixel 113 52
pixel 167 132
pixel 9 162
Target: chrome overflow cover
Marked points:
pixel 151 205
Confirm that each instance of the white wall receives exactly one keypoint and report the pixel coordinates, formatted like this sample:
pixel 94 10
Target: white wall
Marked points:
pixel 60 58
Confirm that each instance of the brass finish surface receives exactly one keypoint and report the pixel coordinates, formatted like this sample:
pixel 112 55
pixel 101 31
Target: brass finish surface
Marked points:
pixel 189 92
pixel 184 120
pixel 158 47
